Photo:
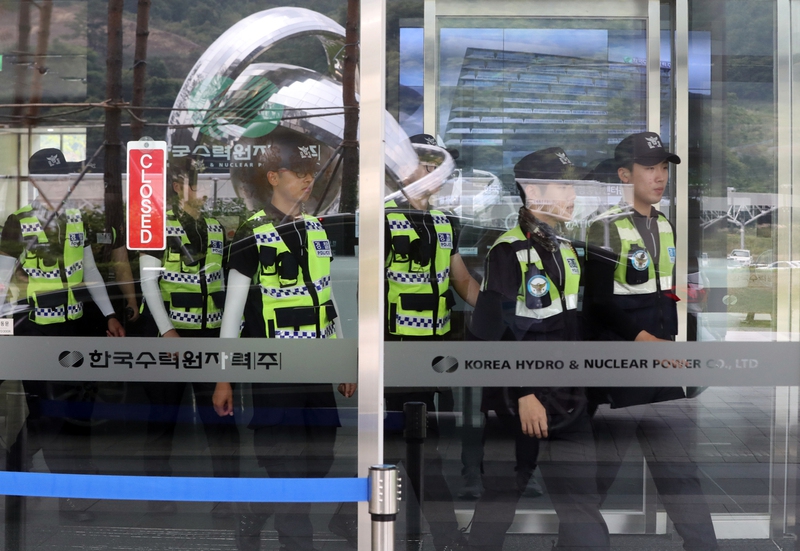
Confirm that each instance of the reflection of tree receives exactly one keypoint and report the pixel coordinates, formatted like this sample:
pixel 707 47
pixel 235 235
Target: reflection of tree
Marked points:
pixel 744 71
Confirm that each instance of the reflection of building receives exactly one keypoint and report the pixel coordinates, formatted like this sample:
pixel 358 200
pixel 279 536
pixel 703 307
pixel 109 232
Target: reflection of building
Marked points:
pixel 516 102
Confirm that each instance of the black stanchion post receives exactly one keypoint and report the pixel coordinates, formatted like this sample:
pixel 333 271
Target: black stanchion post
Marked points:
pixel 415 433
pixel 15 461
pixel 384 493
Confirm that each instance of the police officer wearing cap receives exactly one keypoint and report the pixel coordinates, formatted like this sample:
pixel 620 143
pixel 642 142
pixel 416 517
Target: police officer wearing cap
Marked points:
pixel 279 280
pixel 630 296
pixel 48 257
pixel 530 293
pixel 183 287
pixel 422 264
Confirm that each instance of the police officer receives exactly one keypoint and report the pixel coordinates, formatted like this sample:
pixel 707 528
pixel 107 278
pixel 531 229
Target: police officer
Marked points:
pixel 530 293
pixel 630 295
pixel 280 280
pixel 422 264
pixel 47 257
pixel 183 286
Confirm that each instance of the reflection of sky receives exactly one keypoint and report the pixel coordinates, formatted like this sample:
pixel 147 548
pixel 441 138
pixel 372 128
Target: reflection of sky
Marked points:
pixel 700 62
pixel 411 56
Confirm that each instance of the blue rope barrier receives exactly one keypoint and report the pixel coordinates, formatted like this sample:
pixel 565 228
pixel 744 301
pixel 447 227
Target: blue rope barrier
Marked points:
pixel 167 488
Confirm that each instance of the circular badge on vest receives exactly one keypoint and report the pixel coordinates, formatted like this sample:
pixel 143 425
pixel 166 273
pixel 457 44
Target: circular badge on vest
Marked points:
pixel 538 286
pixel 639 260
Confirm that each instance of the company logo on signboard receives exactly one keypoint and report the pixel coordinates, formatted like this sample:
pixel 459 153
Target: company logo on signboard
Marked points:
pixel 147 189
pixel 442 364
pixel 71 358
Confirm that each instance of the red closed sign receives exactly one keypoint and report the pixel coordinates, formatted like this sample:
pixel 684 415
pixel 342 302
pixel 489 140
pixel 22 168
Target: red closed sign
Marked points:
pixel 147 192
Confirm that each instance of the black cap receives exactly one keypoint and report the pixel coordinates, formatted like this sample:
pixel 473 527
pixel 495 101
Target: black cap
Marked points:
pixel 51 161
pixel 295 151
pixel 545 164
pixel 644 148
pixel 427 139
pixel 605 171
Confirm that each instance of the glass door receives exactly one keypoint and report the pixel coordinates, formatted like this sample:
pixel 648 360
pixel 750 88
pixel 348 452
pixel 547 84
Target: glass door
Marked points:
pixel 492 83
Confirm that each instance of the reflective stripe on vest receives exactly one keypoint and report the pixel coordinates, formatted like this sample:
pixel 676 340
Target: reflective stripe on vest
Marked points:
pixel 407 278
pixel 572 276
pixel 629 236
pixel 204 279
pixel 46 280
pixel 282 297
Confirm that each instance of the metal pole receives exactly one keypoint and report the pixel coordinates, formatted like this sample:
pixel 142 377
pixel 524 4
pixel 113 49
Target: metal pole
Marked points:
pixel 414 433
pixel 384 493
pixel 15 461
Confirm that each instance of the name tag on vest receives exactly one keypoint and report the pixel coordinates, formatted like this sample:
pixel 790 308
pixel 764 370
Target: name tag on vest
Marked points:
pixel 573 266
pixel 76 240
pixel 216 247
pixel 671 252
pixel 445 240
pixel 323 248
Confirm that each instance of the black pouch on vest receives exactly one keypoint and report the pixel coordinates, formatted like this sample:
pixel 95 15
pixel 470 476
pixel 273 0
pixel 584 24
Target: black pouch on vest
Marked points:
pixel 47 254
pixel 52 299
pixel 287 266
pixel 267 256
pixel 186 300
pixel 401 245
pixel 295 317
pixel 330 310
pixel 449 299
pixel 638 260
pixel 537 289
pixel 421 252
pixel 419 303
pixel 81 294
pixel 174 244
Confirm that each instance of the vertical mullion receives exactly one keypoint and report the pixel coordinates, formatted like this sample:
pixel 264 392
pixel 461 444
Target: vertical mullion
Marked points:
pixel 371 233
pixel 680 144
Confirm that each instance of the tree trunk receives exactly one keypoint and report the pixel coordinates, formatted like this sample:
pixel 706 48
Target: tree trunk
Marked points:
pixel 140 67
pixel 112 171
pixel 349 198
pixel 23 58
pixel 42 44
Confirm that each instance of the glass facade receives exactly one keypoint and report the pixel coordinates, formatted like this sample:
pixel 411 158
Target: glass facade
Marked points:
pixel 539 255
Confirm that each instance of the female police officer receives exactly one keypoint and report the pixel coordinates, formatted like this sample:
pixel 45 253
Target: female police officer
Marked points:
pixel 530 293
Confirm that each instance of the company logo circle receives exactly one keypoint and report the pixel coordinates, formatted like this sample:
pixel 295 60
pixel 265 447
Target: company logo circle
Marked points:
pixel 639 260
pixel 538 286
pixel 70 358
pixel 444 364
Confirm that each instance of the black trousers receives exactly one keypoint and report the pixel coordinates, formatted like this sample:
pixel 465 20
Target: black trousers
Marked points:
pixel 294 435
pixel 165 405
pixel 567 463
pixel 59 418
pixel 667 442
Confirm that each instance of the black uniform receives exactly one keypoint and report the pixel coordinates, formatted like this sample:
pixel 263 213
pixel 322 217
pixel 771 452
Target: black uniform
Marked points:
pixel 677 479
pixel 566 458
pixel 165 398
pixel 295 424
pixel 437 499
